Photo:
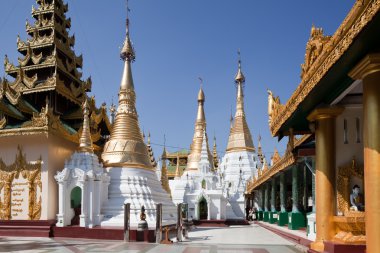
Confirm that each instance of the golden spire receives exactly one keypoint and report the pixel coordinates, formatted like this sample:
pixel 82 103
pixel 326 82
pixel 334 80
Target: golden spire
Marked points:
pixel 164 171
pixel 215 154
pixel 240 137
pixel 85 141
pixel 177 170
pixel 201 100
pixel 200 128
pixel 126 146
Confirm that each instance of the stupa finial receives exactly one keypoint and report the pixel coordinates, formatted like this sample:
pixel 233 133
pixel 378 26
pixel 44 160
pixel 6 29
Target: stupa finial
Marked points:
pixel 127 52
pixel 239 78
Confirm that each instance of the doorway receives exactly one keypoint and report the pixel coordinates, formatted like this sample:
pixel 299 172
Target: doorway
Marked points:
pixel 76 204
pixel 203 210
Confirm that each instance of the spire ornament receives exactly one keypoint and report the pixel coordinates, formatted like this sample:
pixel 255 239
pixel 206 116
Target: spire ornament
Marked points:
pixel 127 52
pixel 239 78
pixel 85 141
pixel 215 155
pixel 164 171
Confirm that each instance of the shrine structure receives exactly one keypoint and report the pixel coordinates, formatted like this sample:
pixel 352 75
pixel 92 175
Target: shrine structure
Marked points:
pixel 41 116
pixel 336 107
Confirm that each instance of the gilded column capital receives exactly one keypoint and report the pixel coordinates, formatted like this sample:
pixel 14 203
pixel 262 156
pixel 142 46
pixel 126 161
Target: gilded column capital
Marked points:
pixel 368 65
pixel 325 113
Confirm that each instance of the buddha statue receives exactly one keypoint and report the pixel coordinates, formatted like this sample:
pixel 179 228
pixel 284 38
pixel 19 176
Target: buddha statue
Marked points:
pixel 356 199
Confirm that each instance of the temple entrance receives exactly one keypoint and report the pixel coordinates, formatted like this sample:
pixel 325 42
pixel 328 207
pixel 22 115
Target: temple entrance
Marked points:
pixel 203 211
pixel 76 204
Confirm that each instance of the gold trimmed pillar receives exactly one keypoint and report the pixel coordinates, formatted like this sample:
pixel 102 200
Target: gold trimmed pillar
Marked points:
pixel 368 70
pixel 324 119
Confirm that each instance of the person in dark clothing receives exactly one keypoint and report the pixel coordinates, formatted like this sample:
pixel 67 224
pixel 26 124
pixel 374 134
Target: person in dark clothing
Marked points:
pixel 247 212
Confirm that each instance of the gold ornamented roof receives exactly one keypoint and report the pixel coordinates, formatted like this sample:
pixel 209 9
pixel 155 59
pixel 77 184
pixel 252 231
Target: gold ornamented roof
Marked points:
pixel 48 66
pixel 320 63
pixel 126 147
pixel 240 136
pixel 200 128
pixel 265 174
pixel 276 156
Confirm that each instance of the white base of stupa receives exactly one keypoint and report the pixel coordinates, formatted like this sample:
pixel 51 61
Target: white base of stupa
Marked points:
pixel 138 187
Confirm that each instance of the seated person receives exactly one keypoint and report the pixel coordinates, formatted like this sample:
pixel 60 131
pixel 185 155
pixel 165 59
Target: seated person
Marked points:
pixel 356 200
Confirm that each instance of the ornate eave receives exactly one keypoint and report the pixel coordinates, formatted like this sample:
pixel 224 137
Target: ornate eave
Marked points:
pixel 283 163
pixel 357 19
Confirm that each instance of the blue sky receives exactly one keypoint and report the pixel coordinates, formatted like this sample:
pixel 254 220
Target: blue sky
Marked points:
pixel 178 41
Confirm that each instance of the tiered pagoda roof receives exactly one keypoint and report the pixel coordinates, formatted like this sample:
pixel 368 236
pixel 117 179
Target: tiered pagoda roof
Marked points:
pixel 47 81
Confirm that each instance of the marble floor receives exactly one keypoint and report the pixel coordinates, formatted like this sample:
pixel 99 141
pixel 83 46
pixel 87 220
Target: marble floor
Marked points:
pixel 246 239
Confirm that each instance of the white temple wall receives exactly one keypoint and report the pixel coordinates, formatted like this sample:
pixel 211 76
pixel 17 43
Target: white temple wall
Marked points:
pixel 349 139
pixel 352 145
pixel 59 150
pixel 53 152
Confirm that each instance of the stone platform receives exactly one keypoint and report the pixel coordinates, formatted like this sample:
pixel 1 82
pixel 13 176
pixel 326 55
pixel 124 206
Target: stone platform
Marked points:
pixel 26 228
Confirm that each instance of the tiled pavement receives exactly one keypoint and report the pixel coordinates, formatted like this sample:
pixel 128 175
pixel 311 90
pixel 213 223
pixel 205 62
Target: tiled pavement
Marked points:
pixel 248 239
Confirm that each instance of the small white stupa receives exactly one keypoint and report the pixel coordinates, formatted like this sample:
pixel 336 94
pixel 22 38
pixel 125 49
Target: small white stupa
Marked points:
pixel 199 186
pixel 126 158
pixel 83 184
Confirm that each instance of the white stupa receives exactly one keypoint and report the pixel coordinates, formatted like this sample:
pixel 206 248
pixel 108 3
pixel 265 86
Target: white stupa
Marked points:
pixel 133 178
pixel 83 183
pixel 200 186
pixel 240 162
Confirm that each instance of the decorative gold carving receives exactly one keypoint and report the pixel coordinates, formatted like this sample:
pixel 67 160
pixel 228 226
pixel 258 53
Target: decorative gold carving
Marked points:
pixel 3 122
pixel 359 16
pixel 345 174
pixel 47 120
pixel 32 173
pixel 35 41
pixel 276 156
pixel 349 238
pixel 274 106
pixel 8 66
pixel 350 229
pixel 30 55
pixel 314 47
